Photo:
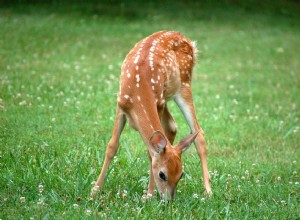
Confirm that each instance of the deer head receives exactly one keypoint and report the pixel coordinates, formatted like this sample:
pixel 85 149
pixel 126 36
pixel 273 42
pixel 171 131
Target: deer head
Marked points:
pixel 166 163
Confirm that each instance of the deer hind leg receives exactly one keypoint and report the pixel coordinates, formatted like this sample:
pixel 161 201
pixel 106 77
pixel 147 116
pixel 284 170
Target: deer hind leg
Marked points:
pixel 111 149
pixel 169 125
pixel 185 102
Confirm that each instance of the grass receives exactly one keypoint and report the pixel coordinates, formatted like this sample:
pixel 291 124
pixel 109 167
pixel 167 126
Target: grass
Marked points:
pixel 59 69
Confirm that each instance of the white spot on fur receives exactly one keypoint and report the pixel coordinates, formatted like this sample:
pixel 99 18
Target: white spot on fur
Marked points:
pixel 151 53
pixel 137 76
pixel 137 58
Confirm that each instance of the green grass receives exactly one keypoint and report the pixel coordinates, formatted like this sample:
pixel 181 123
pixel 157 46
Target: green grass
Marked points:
pixel 59 69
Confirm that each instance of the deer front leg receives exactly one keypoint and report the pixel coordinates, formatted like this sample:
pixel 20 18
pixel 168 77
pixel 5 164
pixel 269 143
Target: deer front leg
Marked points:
pixel 169 125
pixel 111 149
pixel 185 102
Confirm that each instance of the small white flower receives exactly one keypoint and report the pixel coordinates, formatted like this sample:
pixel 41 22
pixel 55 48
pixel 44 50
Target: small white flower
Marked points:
pixel 247 172
pixel 195 196
pixel 124 193
pixel 95 189
pixel 202 199
pixel 279 50
pixel 22 199
pixel 110 67
pixel 147 196
pixel 41 188
pixel 23 103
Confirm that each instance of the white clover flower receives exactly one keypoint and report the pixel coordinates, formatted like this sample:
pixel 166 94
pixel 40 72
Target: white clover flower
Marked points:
pixel 144 198
pixel 23 103
pixel 93 182
pixel 110 67
pixel 22 199
pixel 88 211
pixel 41 188
pixel 124 193
pixel 195 196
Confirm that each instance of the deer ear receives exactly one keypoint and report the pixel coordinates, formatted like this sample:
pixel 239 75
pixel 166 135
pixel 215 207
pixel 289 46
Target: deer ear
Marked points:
pixel 185 143
pixel 158 142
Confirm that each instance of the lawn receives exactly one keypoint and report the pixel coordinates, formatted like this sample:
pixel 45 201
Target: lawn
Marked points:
pixel 59 73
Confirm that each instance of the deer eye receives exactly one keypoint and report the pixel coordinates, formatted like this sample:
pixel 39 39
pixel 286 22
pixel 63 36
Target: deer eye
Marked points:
pixel 162 176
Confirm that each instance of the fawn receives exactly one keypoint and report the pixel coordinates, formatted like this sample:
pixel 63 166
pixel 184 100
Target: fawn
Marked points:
pixel 158 69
